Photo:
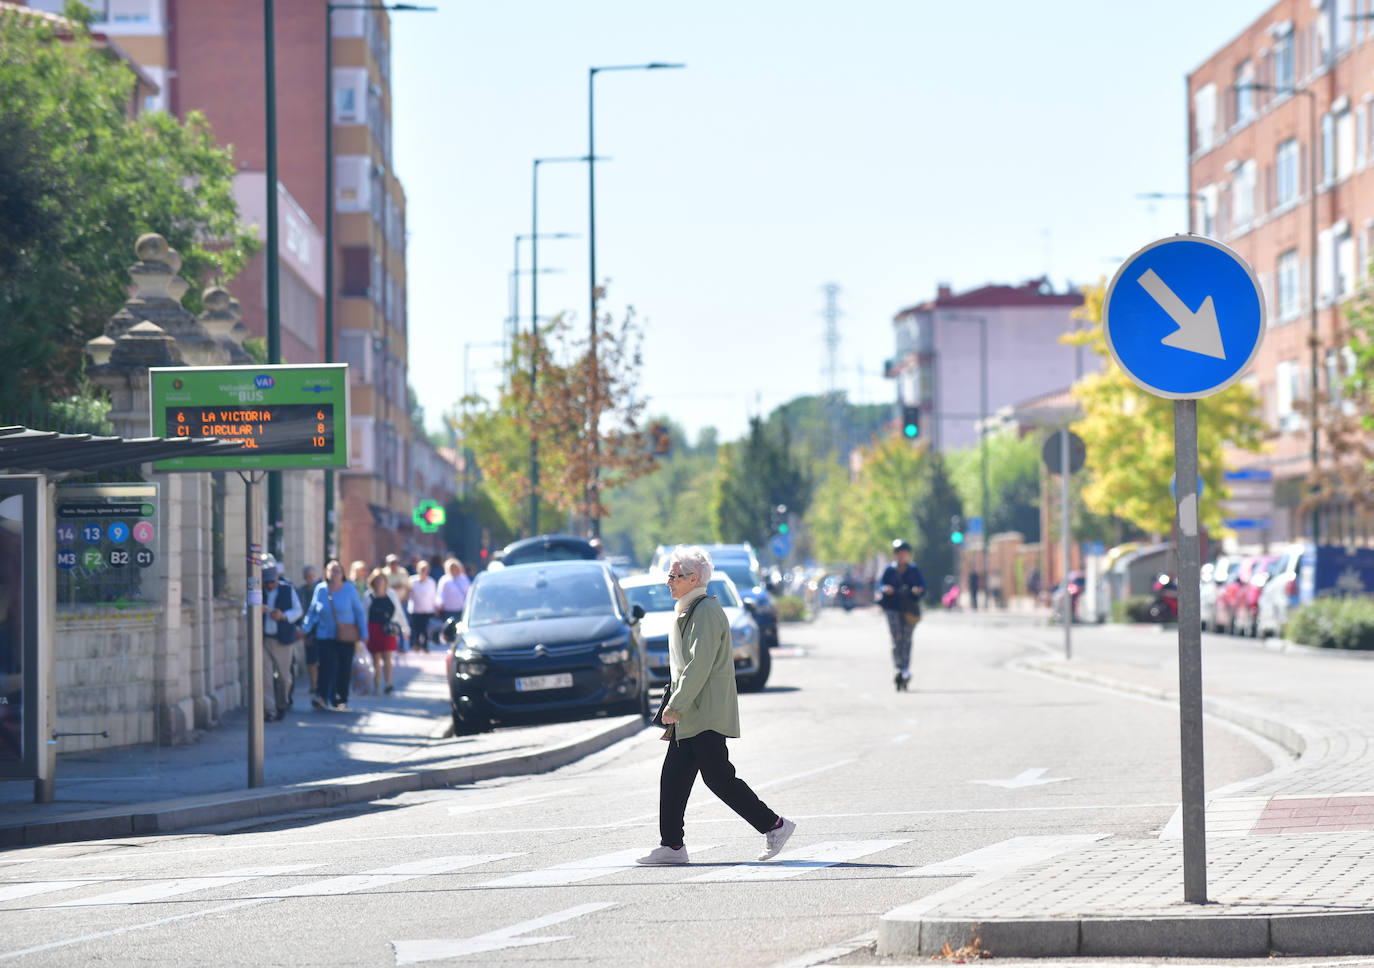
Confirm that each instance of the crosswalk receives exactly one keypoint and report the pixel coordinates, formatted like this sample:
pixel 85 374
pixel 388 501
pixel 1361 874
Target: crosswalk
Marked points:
pixel 799 861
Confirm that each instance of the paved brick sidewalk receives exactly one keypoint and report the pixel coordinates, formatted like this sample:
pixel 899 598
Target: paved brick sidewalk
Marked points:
pixel 1290 855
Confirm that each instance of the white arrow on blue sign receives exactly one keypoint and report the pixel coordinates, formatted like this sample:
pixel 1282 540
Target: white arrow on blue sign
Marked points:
pixel 1184 317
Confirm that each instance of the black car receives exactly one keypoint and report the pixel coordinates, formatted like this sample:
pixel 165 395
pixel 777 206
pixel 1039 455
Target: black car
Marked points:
pixel 557 638
pixel 756 596
pixel 546 547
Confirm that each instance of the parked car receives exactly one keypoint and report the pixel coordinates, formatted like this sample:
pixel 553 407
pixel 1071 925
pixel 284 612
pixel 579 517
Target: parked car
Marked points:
pixel 1280 593
pixel 1230 594
pixel 1245 620
pixel 556 637
pixel 1213 576
pixel 752 661
pixel 546 547
pixel 742 565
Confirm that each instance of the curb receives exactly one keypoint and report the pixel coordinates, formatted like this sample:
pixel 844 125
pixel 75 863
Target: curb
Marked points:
pixel 1223 936
pixel 165 816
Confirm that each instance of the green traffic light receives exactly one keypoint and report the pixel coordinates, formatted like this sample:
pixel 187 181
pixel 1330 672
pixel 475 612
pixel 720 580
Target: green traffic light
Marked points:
pixel 957 537
pixel 910 430
pixel 782 528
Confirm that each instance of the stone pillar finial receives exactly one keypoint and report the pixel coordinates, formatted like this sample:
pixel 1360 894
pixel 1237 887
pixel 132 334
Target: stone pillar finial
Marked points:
pixel 157 299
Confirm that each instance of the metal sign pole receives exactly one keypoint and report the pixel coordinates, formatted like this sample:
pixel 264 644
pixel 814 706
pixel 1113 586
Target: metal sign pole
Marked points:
pixel 1190 655
pixel 253 615
pixel 1064 536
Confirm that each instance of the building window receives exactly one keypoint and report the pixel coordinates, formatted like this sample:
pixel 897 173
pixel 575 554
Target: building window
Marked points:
pixel 1283 62
pixel 1205 117
pixel 1245 94
pixel 1207 211
pixel 1288 392
pixel 357 271
pixel 1342 27
pixel 1346 269
pixel 1286 173
pixel 1328 149
pixel 1243 197
pixel 1289 286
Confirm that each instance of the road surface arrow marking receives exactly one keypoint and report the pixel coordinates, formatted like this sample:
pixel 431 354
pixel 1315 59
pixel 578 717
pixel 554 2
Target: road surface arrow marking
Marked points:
pixel 414 952
pixel 1198 332
pixel 1025 779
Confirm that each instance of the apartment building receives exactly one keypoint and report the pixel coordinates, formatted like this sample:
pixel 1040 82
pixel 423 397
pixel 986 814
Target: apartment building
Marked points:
pixel 1281 169
pixel 208 56
pixel 999 338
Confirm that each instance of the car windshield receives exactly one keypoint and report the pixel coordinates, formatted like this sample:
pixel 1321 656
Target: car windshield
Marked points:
pixel 518 595
pixel 655 597
pixel 551 552
pixel 740 574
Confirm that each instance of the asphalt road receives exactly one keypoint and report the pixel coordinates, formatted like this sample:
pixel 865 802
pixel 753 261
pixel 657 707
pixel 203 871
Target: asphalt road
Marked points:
pixel 892 793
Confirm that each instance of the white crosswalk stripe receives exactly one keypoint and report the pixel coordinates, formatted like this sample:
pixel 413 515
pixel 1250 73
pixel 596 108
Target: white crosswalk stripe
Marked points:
pixel 802 860
pixel 353 883
pixel 1007 855
pixel 582 870
pixel 13 892
pixel 162 890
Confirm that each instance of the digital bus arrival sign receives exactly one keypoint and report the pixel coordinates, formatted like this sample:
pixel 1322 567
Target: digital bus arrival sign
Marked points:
pixel 280 417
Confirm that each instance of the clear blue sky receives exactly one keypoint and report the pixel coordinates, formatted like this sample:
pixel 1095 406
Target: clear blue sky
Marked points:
pixel 882 145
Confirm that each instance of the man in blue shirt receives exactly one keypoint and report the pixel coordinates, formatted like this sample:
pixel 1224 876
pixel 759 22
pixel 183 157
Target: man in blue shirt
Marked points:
pixel 901 588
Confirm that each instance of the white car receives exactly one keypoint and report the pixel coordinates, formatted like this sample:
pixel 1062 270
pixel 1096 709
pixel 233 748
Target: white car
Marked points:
pixel 1280 593
pixel 1211 577
pixel 752 661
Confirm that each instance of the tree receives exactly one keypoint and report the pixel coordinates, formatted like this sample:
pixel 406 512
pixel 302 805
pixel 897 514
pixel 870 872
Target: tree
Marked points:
pixel 819 424
pixel 1129 435
pixel 757 474
pixel 584 415
pixel 1345 472
pixel 79 182
pixel 1013 483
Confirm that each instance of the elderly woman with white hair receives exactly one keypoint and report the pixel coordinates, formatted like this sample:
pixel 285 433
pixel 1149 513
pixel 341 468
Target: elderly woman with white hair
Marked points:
pixel 701 709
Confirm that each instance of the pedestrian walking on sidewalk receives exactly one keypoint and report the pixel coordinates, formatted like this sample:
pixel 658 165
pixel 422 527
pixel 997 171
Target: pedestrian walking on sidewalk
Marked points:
pixel 280 630
pixel 424 603
pixel 701 708
pixel 901 588
pixel 398 580
pixel 386 623
pixel 307 655
pixel 337 620
pixel 453 590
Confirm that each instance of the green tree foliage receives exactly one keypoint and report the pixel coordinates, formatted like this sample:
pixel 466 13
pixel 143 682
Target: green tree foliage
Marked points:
pixel 900 491
pixel 756 475
pixel 79 183
pixel 1129 435
pixel 1013 483
pixel 818 425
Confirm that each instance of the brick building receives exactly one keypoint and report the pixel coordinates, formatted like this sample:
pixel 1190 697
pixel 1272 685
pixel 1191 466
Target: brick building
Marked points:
pixel 207 56
pixel 1280 153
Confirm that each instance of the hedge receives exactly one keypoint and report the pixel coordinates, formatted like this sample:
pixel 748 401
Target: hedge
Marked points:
pixel 791 608
pixel 1333 623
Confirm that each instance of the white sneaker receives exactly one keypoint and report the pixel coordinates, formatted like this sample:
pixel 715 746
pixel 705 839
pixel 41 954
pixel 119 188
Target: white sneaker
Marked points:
pixel 662 856
pixel 774 839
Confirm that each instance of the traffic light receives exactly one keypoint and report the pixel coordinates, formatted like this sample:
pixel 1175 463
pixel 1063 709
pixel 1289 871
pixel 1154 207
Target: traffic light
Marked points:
pixel 428 516
pixel 911 422
pixel 783 528
pixel 956 530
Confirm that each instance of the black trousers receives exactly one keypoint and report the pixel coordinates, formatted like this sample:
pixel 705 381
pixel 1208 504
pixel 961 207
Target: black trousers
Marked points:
pixel 704 753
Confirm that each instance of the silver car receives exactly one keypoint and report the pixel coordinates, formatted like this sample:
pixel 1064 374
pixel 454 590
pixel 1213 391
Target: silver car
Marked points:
pixel 753 662
pixel 1280 593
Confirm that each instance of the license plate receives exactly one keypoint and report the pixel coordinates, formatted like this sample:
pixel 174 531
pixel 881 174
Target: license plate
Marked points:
pixel 533 683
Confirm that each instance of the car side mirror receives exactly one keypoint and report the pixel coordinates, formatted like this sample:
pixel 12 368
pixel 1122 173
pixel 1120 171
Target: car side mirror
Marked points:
pixel 637 612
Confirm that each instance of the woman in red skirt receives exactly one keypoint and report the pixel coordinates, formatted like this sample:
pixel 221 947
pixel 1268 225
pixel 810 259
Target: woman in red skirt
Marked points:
pixel 386 621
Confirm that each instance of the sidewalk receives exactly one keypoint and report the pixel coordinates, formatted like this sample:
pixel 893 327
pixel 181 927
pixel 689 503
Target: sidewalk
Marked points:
pixel 385 745
pixel 1290 855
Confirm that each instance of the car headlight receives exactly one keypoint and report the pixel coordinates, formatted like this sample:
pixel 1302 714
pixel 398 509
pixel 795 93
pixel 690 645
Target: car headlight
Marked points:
pixel 469 663
pixel 612 656
pixel 744 633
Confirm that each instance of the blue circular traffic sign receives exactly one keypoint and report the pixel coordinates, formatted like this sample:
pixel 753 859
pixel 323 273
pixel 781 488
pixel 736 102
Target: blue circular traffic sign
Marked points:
pixel 1184 317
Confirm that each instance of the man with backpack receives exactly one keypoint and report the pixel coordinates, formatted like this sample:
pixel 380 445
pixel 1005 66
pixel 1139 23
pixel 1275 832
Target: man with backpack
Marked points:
pixel 281 617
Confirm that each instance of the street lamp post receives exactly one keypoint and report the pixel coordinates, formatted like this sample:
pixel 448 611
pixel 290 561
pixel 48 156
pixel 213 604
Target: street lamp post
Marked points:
pixel 534 318
pixel 982 427
pixel 591 241
pixel 1312 258
pixel 329 352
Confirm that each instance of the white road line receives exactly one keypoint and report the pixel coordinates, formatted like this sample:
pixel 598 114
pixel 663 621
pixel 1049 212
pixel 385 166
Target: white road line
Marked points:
pixel 413 952
pixel 1008 855
pixel 161 890
pixel 803 860
pixel 13 892
pixel 358 882
pixel 353 883
pixel 581 870
pixel 503 804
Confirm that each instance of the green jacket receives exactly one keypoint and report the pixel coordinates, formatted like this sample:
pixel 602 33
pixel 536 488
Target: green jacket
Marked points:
pixel 703 663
